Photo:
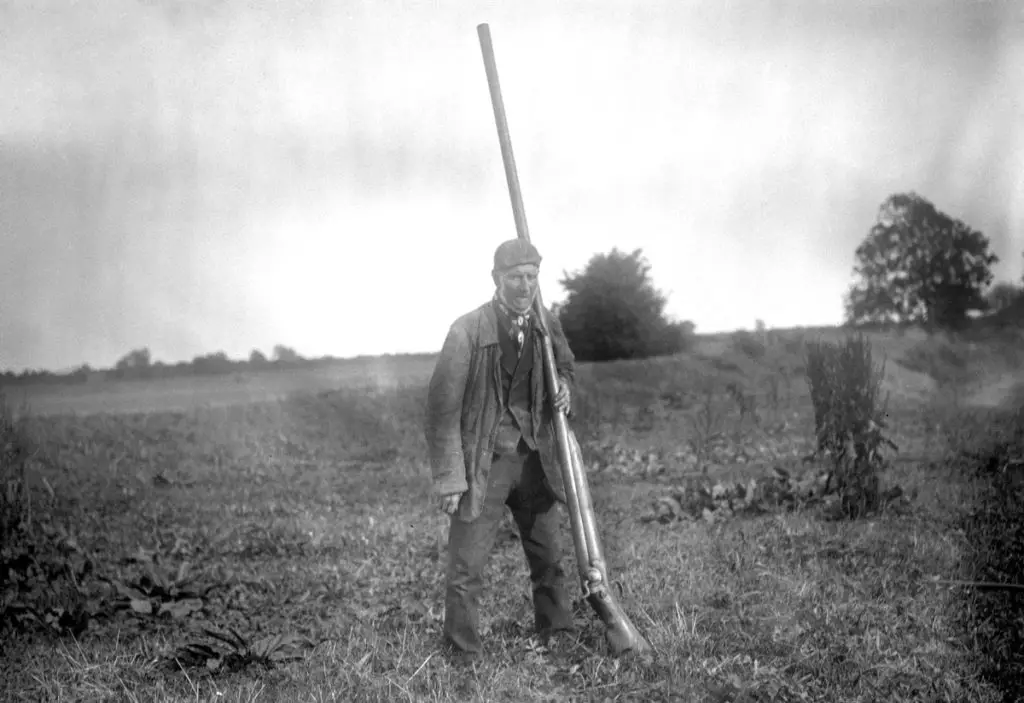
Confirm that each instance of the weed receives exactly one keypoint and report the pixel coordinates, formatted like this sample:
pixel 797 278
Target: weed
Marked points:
pixel 240 653
pixel 161 591
pixel 780 492
pixel 849 416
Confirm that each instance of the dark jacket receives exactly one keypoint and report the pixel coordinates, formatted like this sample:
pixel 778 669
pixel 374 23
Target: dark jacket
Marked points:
pixel 465 407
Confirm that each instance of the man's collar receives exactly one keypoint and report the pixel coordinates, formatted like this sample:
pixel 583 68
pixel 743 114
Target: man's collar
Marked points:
pixel 509 313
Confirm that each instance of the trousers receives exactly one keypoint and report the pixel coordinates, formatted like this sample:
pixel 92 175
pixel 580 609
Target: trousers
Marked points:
pixel 516 481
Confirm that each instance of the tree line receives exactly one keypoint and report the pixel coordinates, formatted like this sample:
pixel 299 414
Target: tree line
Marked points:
pixel 138 364
pixel 916 266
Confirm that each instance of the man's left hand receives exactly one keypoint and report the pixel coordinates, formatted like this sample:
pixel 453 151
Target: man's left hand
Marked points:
pixel 563 399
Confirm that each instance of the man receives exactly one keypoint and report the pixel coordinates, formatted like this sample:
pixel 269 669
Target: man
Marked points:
pixel 491 438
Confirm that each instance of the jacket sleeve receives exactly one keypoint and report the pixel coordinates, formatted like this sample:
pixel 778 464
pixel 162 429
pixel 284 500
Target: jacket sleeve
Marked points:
pixel 565 360
pixel 444 413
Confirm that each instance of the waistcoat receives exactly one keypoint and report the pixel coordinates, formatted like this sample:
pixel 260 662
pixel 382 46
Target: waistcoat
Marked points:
pixel 516 371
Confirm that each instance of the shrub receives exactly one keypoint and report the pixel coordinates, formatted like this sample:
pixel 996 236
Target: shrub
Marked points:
pixel 613 311
pixel 849 419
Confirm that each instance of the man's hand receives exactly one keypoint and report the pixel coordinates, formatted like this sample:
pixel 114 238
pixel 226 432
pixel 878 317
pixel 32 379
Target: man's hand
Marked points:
pixel 450 503
pixel 563 399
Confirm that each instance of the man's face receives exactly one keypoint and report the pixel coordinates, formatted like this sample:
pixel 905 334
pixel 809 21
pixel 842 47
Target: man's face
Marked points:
pixel 517 286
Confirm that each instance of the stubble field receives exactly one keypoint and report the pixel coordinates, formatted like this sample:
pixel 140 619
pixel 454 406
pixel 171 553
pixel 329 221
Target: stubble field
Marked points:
pixel 304 525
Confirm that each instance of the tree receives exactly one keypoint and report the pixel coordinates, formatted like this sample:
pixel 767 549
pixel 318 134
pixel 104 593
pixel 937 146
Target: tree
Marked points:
pixel 257 358
pixel 134 363
pixel 919 265
pixel 283 353
pixel 613 311
pixel 1003 295
pixel 217 362
pixel 80 374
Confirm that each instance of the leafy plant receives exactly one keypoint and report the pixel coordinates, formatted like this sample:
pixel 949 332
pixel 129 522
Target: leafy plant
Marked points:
pixel 617 457
pixel 240 653
pixel 701 499
pixel 849 417
pixel 163 591
pixel 44 582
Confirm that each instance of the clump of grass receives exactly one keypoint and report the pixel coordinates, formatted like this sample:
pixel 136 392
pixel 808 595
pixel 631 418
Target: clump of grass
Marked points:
pixel 241 652
pixel 849 418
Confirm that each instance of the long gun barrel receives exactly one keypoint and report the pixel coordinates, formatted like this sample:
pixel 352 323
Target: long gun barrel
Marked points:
pixel 622 636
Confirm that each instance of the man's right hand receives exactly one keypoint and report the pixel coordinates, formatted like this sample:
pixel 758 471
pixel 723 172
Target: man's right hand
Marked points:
pixel 450 503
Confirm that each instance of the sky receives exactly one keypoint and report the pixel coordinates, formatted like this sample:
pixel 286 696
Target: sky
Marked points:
pixel 193 176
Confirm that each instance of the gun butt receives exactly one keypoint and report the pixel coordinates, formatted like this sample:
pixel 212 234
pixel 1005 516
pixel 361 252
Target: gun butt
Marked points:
pixel 620 633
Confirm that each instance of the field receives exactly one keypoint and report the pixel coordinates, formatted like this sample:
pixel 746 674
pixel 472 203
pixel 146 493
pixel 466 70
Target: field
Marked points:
pixel 189 393
pixel 294 511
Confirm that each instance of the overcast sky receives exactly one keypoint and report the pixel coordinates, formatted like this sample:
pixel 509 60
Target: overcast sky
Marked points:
pixel 197 176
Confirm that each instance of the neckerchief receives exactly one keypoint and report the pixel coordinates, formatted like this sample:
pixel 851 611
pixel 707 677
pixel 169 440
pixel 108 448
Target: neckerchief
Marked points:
pixel 518 324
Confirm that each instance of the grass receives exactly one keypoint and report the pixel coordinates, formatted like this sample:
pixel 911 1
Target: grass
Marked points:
pixel 310 516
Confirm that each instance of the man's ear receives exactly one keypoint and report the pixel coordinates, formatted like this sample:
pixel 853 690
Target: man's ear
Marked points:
pixel 496 277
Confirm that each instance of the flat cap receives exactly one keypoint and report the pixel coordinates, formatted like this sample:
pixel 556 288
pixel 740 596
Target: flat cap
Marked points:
pixel 515 252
